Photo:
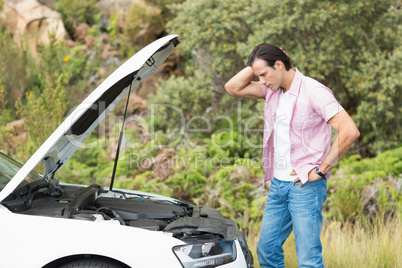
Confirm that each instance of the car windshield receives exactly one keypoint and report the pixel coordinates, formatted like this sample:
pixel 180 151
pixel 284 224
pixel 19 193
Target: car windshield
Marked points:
pixel 9 167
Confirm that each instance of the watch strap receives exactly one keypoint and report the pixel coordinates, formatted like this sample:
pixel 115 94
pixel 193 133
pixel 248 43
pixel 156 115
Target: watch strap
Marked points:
pixel 318 171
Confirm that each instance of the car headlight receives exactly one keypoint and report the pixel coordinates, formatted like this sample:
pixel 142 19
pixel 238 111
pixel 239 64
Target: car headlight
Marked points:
pixel 208 254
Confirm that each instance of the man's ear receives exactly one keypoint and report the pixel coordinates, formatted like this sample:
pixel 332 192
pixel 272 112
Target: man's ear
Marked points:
pixel 279 65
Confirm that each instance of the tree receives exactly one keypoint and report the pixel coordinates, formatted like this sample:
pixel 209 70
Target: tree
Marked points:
pixel 211 32
pixel 377 84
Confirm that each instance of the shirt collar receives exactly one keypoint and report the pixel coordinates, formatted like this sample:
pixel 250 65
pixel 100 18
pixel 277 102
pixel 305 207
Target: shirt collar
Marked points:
pixel 295 86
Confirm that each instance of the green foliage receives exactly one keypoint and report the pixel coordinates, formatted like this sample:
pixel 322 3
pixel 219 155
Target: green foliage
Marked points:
pixel 49 101
pixel 13 67
pixel 54 60
pixel 367 188
pixel 75 12
pixel 113 27
pixel 212 34
pixel 179 99
pixel 34 91
pixel 5 114
pixel 347 203
pixel 144 23
pixel 20 72
pixel 51 59
pixel 187 185
pixel 387 163
pixel 7 138
pixel 143 17
pixel 89 165
pixel 210 42
pixel 74 63
pixel 379 82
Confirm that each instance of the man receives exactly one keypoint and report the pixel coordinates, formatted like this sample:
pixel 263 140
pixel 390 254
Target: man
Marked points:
pixel 297 154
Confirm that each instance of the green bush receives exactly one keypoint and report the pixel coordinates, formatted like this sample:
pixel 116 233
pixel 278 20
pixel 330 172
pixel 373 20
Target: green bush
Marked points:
pixel 388 162
pixel 144 22
pixel 347 203
pixel 14 71
pixel 367 187
pixel 43 111
pixel 178 100
pixel 74 12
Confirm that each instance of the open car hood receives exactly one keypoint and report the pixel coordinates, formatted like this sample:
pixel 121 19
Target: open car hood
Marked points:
pixel 66 139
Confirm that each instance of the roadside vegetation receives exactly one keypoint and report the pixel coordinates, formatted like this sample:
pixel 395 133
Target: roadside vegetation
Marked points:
pixel 186 138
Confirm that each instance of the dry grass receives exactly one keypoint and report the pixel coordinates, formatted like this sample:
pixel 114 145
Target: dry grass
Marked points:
pixel 379 245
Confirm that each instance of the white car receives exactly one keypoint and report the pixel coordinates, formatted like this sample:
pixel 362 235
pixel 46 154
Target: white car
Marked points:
pixel 44 223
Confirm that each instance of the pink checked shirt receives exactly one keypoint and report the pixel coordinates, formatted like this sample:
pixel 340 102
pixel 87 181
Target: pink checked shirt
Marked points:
pixel 309 133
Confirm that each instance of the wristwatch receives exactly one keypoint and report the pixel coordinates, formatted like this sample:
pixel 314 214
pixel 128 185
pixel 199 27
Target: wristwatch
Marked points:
pixel 318 171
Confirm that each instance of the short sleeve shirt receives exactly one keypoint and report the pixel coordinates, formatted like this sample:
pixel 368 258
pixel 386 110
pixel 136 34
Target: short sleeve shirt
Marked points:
pixel 313 105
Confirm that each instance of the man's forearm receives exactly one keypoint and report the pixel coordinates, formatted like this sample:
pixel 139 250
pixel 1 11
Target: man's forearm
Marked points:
pixel 240 80
pixel 338 150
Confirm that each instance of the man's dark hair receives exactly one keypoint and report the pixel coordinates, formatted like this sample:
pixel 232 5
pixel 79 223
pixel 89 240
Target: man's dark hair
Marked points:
pixel 270 54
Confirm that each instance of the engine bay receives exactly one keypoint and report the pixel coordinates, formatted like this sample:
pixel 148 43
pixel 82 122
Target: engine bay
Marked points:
pixel 184 220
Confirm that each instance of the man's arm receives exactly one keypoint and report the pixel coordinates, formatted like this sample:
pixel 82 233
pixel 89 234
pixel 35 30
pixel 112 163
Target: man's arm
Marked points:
pixel 241 85
pixel 347 135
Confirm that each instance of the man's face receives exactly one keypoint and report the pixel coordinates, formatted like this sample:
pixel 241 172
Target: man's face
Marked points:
pixel 268 76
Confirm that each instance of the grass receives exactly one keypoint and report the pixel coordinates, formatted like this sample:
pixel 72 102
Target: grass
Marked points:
pixel 350 245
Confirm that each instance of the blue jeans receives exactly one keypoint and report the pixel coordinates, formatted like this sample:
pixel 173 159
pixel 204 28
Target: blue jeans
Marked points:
pixel 291 207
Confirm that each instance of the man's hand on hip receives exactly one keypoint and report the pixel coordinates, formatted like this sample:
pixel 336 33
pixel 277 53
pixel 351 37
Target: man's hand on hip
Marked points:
pixel 312 176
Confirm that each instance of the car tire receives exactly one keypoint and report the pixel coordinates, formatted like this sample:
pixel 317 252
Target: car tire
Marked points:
pixel 91 263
